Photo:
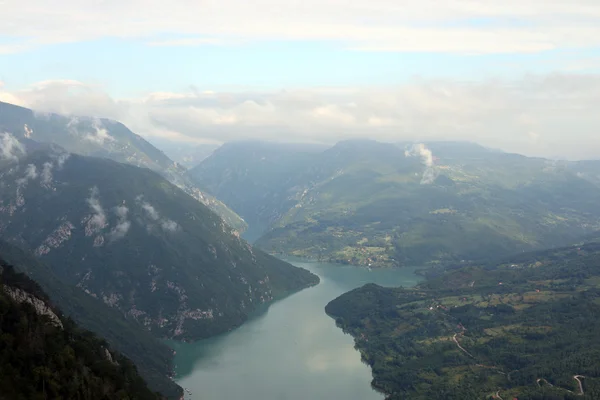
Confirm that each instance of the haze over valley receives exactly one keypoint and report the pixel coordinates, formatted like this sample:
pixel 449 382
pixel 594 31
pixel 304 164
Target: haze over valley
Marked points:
pixel 333 200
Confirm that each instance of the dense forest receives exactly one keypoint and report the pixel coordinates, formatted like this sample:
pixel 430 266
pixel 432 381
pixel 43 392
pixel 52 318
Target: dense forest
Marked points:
pixel 46 356
pixel 524 328
pixel 151 356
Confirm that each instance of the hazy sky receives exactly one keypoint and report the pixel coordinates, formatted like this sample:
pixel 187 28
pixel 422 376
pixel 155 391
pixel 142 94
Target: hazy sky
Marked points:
pixel 521 75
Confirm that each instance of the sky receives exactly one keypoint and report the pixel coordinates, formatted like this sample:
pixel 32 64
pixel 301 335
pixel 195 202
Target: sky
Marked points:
pixel 519 75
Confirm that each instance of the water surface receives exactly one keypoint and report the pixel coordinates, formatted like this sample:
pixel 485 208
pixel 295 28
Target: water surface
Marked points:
pixel 292 351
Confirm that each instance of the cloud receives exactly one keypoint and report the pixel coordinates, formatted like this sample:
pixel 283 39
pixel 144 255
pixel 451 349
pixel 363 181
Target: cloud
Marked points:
pixel 192 41
pixel 100 134
pixel 150 211
pixel 390 25
pixel 420 150
pixel 10 148
pixel 30 174
pixel 169 225
pixel 61 159
pixel 76 99
pixel 165 223
pixel 123 225
pixel 539 115
pixel 97 221
pixel 46 174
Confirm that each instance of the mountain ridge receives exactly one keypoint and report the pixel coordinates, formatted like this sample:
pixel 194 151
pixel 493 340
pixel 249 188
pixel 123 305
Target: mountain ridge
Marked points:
pixel 101 137
pixel 367 202
pixel 124 208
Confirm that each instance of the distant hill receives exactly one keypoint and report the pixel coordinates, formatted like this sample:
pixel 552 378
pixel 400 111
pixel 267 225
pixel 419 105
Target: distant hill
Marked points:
pixel 46 356
pixel 366 202
pixel 256 178
pixel 128 237
pixel 525 327
pixel 150 355
pixel 187 154
pixel 100 137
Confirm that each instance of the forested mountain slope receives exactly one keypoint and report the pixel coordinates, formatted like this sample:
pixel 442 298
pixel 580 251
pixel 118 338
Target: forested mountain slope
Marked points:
pixel 100 137
pixel 526 327
pixel 150 355
pixel 259 180
pixel 128 237
pixel 45 356
pixel 366 202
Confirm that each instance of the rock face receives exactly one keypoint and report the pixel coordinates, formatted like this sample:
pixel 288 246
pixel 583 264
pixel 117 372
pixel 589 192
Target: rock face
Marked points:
pixel 45 356
pixel 41 308
pixel 152 357
pixel 131 239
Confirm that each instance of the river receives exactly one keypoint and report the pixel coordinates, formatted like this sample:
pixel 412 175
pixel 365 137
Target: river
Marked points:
pixel 291 351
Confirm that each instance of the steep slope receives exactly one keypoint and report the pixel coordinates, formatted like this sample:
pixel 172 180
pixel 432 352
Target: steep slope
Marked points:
pixel 100 137
pixel 45 356
pixel 130 238
pixel 186 154
pixel 151 357
pixel 256 179
pixel 365 202
pixel 525 327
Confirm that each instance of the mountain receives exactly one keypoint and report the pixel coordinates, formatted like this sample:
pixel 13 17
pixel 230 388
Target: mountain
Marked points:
pixel 150 355
pixel 525 327
pixel 256 179
pixel 187 154
pixel 44 355
pixel 127 236
pixel 100 137
pixel 366 202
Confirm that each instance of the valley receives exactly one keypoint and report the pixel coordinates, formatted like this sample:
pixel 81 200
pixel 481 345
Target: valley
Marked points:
pixel 124 248
pixel 292 350
pixel 300 200
pixel 377 204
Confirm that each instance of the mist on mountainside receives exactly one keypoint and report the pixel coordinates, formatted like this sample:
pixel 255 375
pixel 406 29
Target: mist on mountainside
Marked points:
pixel 292 200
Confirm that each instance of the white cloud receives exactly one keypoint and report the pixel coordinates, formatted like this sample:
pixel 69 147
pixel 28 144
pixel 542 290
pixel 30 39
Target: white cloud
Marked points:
pixel 191 41
pixel 61 159
pixel 394 25
pixel 30 174
pixel 10 148
pixel 100 134
pixel 123 225
pixel 46 174
pixel 97 221
pixel 169 225
pixel 150 211
pixel 420 150
pixel 165 223
pixel 542 115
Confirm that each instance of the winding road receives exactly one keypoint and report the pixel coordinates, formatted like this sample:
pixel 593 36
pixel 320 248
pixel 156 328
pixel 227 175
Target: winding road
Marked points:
pixel 542 379
pixel 578 379
pixel 460 347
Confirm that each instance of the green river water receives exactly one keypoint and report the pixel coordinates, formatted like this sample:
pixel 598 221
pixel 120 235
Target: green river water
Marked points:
pixel 291 351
